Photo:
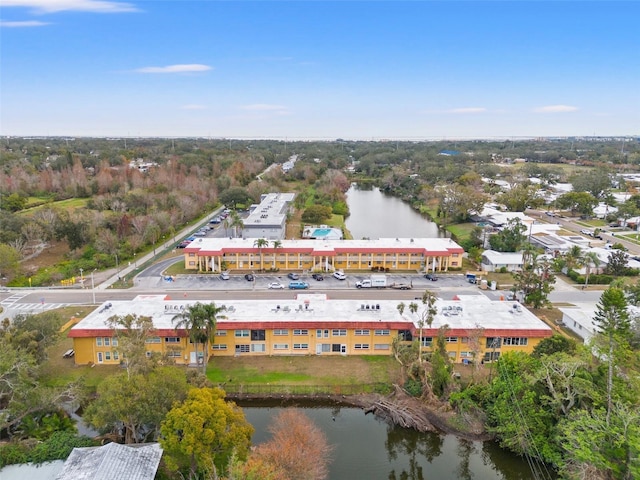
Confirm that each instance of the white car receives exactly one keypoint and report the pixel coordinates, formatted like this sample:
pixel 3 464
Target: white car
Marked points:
pixel 224 276
pixel 339 275
pixel 276 286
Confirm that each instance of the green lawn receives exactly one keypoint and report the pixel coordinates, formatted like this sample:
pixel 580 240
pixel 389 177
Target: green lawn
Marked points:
pixel 461 230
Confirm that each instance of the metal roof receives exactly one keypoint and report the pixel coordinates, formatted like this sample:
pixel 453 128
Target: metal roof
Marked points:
pixel 124 462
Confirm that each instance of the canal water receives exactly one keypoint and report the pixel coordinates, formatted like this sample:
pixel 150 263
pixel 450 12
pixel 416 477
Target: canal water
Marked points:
pixel 374 214
pixel 367 448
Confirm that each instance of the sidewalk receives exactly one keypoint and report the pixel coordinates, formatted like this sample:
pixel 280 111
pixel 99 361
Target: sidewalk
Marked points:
pixel 105 279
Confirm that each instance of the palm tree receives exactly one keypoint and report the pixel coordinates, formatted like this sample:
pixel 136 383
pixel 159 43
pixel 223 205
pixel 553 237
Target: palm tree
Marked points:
pixel 226 223
pixel 574 257
pixel 261 243
pixel 200 321
pixel 590 259
pixel 236 223
pixel 276 245
pixel 427 316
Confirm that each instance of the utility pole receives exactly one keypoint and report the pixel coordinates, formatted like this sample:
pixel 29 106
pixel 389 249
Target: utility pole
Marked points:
pixel 93 288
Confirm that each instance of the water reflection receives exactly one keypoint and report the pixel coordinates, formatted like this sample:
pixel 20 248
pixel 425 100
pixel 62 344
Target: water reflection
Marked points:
pixel 376 215
pixel 367 448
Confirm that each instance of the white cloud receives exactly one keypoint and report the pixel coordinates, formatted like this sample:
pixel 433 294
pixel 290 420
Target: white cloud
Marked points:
pixel 52 6
pixel 263 107
pixel 193 106
pixel 555 109
pixel 467 110
pixel 23 24
pixel 187 68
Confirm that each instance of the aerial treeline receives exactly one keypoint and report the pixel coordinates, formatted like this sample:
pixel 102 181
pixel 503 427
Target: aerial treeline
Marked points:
pixel 85 195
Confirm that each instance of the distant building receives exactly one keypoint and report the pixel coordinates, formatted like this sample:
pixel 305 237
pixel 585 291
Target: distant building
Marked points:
pixel 268 219
pixel 394 254
pixel 493 261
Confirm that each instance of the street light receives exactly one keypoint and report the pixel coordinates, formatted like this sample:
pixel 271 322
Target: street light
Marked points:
pixel 81 278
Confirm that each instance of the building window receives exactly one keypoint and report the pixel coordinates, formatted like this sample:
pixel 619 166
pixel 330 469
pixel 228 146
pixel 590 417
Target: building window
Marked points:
pixel 363 331
pixel 405 335
pixel 257 335
pixel 381 332
pixel 280 346
pixel 221 333
pixel 452 355
pixel 107 356
pixel 464 339
pixel 490 356
pixel 427 341
pixel 466 355
pixel 114 342
pixel 322 333
pixel 493 342
pixel 301 331
pixel 152 340
pixel 515 341
pixel 281 331
pixel 172 340
pixel 455 255
pixel 116 356
pixel 242 348
pixel 99 341
pixel 174 354
pixel 300 346
pixel 361 346
pixel 381 346
pixel 242 333
pixel 451 339
pixel 335 347
pixel 258 347
pixel 107 341
pixel 218 346
pixel 339 332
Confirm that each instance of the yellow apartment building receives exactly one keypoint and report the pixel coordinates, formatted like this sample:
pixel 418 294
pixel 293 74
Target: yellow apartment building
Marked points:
pixel 312 324
pixel 386 254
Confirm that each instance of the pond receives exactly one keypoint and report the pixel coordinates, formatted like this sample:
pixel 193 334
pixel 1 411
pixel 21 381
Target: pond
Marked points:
pixel 368 448
pixel 373 214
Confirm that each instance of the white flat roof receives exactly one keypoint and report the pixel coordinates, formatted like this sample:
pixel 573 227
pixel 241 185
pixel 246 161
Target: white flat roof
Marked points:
pixel 325 245
pixel 469 312
pixel 272 210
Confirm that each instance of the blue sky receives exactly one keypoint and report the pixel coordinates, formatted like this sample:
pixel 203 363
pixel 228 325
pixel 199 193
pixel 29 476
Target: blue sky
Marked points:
pixel 316 69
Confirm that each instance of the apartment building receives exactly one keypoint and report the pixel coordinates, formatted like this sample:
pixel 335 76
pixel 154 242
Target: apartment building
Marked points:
pixel 477 328
pixel 389 254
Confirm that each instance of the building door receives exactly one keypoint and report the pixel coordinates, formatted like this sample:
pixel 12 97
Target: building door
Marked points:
pixel 100 359
pixel 192 358
pixel 343 349
pixel 318 349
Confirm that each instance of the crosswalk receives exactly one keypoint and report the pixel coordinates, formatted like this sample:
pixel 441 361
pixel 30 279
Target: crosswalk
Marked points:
pixel 10 303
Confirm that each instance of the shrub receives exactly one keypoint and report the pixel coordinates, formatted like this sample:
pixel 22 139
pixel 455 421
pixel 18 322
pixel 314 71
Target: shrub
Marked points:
pixel 413 387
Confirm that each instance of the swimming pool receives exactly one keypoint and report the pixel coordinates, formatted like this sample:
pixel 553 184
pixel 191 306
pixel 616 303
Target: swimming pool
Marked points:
pixel 321 232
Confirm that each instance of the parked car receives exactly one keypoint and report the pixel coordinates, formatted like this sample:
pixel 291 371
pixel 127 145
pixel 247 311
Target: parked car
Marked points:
pixel 317 276
pixel 215 220
pixel 249 277
pixel 298 285
pixel 276 286
pixel 339 275
pixel 183 244
pixel 293 276
pixel 224 276
pixel 431 276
